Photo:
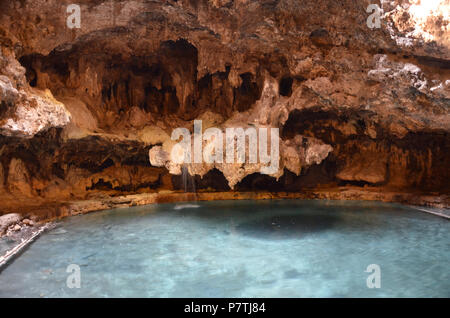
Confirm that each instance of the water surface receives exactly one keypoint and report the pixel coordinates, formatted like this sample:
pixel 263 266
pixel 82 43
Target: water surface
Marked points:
pixel 280 248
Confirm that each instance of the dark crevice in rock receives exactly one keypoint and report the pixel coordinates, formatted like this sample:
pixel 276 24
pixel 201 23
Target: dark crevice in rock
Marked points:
pixel 27 62
pixel 102 185
pixel 248 93
pixel 286 86
pixel 212 180
pixel 258 182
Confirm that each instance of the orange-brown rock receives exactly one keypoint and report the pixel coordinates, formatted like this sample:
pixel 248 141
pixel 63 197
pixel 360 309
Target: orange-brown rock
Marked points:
pixel 88 113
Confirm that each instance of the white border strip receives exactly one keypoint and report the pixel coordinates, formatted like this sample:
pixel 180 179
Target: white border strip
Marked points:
pixel 16 249
pixel 445 216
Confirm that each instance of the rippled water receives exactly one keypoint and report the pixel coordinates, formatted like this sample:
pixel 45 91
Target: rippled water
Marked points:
pixel 285 248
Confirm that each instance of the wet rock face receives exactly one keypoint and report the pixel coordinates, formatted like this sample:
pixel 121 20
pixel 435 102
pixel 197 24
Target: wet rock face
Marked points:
pixel 89 111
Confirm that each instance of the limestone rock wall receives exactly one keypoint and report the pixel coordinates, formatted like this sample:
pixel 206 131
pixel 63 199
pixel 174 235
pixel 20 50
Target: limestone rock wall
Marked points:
pixel 80 109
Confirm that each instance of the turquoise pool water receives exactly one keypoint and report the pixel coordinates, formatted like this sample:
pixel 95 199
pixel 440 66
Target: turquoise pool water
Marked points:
pixel 281 248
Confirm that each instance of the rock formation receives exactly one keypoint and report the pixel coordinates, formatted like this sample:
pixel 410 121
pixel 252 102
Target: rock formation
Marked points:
pixel 82 110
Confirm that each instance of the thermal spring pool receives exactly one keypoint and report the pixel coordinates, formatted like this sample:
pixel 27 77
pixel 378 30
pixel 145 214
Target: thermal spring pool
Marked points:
pixel 279 248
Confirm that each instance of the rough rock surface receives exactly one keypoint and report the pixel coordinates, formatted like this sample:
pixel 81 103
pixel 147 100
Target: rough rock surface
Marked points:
pixel 7 220
pixel 83 110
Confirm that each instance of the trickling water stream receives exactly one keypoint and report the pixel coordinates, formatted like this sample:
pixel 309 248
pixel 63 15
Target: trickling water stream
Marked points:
pixel 188 180
pixel 282 248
